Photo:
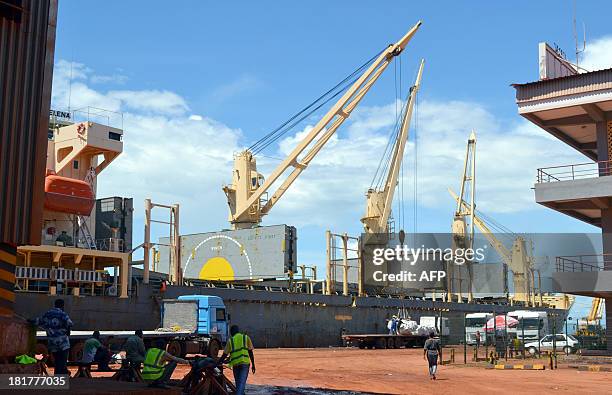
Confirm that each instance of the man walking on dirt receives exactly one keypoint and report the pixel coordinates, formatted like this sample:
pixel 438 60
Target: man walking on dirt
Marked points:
pixel 240 350
pixel 431 351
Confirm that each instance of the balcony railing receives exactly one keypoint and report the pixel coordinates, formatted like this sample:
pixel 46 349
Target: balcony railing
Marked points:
pixel 583 263
pixel 574 171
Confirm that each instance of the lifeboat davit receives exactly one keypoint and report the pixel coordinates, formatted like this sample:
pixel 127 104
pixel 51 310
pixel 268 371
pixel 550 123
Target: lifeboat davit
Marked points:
pixel 68 195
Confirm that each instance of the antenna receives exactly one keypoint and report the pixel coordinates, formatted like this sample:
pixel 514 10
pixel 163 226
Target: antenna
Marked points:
pixel 578 51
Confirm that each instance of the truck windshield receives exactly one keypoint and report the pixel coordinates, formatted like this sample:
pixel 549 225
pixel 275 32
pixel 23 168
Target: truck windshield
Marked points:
pixel 530 323
pixel 220 315
pixel 476 322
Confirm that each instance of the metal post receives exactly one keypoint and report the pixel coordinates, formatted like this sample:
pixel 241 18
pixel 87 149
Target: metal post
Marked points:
pixel 506 335
pixel 555 338
pixel 539 341
pixel 178 276
pixel 147 240
pixel 359 269
pixel 345 266
pixel 440 334
pixel 566 332
pixel 495 332
pixel 464 339
pixel 523 336
pixel 328 263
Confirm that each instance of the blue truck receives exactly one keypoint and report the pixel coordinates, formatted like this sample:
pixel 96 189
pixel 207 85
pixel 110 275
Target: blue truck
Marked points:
pixel 191 324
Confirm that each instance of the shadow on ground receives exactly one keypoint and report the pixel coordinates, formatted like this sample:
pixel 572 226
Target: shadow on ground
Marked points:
pixel 271 390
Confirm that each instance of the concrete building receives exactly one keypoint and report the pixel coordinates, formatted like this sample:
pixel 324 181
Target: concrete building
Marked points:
pixel 576 108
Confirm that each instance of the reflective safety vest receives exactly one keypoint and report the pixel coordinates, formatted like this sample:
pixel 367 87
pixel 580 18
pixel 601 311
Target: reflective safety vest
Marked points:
pixel 239 353
pixel 153 367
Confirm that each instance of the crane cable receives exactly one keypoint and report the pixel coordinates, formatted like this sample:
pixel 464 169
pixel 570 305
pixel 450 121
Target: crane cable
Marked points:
pixel 305 112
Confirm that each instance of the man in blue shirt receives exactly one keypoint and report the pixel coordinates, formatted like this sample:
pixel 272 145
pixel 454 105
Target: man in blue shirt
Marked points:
pixel 57 324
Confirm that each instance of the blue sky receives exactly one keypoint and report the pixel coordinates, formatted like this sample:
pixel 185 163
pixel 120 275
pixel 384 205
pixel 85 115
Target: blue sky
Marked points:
pixel 198 81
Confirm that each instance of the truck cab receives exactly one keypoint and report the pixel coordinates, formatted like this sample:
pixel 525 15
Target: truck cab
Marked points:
pixel 212 316
pixel 202 318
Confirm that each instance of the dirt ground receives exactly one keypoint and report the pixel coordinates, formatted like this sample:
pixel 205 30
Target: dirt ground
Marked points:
pixel 400 371
pixel 404 371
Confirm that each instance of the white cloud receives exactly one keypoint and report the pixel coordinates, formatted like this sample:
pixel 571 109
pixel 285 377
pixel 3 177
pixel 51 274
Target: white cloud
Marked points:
pixel 153 101
pixel 118 79
pixel 167 156
pixel 331 191
pixel 598 54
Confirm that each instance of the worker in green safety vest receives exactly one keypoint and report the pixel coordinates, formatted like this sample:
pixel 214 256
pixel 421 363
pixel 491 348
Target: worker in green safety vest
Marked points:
pixel 159 365
pixel 239 349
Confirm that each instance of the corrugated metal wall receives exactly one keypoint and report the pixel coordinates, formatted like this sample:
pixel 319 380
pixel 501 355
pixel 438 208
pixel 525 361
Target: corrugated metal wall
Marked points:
pixel 27 45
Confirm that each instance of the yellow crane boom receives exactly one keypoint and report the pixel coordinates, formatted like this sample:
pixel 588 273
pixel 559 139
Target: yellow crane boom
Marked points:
pixel 246 193
pixel 516 259
pixel 378 202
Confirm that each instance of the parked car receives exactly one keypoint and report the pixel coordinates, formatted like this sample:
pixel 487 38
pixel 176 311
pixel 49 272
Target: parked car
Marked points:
pixel 567 344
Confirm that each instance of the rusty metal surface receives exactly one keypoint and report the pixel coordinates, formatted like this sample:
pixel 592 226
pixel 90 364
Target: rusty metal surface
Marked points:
pixel 27 45
pixel 15 337
pixel 564 86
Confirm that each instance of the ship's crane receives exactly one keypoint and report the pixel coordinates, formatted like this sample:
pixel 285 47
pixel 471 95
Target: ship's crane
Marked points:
pixel 379 201
pixel 517 259
pixel 590 325
pixel 462 227
pixel 247 195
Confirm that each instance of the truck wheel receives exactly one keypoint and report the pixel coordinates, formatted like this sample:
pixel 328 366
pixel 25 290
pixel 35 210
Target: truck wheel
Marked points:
pixel 381 343
pixel 533 350
pixel 567 350
pixel 176 348
pixel 398 343
pixel 362 345
pixel 390 342
pixel 213 348
pixel 76 351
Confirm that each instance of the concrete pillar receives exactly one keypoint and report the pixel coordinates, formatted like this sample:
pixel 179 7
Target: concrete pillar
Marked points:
pixel 601 131
pixel 608 321
pixel 8 261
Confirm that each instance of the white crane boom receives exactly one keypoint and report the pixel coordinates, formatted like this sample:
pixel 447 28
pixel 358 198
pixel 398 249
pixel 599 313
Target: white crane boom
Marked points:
pixel 245 195
pixel 378 203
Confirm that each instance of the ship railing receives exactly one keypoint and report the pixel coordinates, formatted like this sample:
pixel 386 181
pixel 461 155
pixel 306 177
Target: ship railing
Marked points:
pixel 583 263
pixel 574 171
pixel 59 274
pixel 32 273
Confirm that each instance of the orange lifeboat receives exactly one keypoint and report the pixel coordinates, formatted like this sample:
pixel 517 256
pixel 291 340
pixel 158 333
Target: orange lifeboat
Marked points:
pixel 68 195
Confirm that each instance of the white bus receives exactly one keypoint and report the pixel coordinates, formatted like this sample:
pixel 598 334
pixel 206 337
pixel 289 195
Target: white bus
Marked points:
pixel 475 322
pixel 533 323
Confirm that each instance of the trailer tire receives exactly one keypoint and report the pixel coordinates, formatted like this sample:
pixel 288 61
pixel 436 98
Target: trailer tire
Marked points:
pixel 381 343
pixel 398 343
pixel 390 342
pixel 213 348
pixel 176 348
pixel 361 345
pixel 76 352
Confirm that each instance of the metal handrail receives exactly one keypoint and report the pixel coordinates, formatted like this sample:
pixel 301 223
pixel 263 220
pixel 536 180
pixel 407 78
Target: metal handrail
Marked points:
pixel 583 263
pixel 574 171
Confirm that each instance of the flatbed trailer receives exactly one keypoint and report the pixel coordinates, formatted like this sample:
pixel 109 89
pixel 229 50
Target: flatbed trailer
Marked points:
pixel 381 341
